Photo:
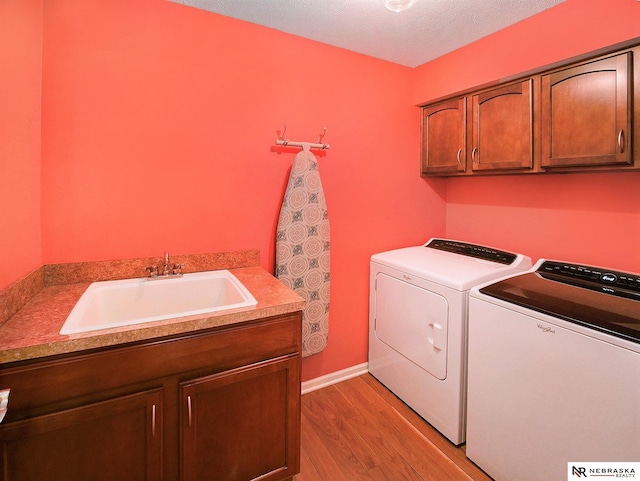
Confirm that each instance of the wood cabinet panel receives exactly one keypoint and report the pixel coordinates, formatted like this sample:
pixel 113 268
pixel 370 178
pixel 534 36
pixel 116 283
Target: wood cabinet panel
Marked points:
pixel 586 114
pixel 503 127
pixel 444 137
pixel 242 424
pixel 116 439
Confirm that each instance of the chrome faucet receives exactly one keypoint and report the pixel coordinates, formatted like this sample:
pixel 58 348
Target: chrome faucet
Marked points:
pixel 166 272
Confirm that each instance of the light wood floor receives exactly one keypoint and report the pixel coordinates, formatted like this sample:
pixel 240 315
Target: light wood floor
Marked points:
pixel 358 430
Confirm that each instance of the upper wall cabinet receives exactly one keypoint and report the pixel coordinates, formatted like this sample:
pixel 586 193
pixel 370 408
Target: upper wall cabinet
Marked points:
pixel 444 137
pixel 586 114
pixel 578 115
pixel 503 128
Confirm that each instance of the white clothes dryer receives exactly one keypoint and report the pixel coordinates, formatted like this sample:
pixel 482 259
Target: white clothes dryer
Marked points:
pixel 418 323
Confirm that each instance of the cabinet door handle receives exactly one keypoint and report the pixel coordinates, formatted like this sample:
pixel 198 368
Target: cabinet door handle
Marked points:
pixel 458 156
pixel 621 141
pixel 153 421
pixel 189 409
pixel 473 155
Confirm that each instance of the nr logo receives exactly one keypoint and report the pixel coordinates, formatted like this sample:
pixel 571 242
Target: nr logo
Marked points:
pixel 578 472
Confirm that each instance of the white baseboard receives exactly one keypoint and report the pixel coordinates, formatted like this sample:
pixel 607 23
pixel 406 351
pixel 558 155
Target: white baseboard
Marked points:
pixel 334 377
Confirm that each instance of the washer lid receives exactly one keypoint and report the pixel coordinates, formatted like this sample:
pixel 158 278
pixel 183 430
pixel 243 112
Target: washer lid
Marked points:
pixel 453 267
pixel 594 297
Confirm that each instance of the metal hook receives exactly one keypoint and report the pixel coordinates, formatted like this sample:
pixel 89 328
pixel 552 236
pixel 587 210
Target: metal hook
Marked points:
pixel 322 135
pixel 281 135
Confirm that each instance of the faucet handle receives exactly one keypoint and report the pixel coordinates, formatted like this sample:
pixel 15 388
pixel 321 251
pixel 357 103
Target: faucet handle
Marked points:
pixel 177 269
pixel 153 271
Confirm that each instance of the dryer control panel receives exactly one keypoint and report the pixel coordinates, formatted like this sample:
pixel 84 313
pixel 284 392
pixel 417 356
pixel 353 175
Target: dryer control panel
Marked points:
pixel 473 250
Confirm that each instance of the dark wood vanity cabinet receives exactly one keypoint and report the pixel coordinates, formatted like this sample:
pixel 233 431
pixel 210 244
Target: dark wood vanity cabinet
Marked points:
pixel 444 137
pixel 502 126
pixel 222 404
pixel 586 114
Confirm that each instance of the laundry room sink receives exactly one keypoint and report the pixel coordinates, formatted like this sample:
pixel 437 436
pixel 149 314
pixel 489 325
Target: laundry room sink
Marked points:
pixel 126 302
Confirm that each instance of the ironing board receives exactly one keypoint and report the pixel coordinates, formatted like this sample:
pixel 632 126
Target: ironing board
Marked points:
pixel 302 248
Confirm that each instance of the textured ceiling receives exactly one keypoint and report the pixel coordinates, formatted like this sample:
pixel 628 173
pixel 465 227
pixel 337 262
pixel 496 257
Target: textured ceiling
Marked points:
pixel 427 30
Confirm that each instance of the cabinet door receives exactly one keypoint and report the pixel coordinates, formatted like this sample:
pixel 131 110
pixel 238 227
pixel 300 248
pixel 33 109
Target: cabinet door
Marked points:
pixel 243 424
pixel 503 128
pixel 586 114
pixel 444 137
pixel 106 441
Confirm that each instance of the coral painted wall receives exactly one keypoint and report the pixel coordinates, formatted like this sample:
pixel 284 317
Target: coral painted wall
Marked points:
pixel 159 122
pixel 20 80
pixel 587 218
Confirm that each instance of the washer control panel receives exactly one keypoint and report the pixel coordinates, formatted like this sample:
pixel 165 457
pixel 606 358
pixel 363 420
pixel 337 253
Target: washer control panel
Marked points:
pixel 617 283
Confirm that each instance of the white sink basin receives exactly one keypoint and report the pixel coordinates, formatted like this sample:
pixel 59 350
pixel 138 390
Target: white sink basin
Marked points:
pixel 125 302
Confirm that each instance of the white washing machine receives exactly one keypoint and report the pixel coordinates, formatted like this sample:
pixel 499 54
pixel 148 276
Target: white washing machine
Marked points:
pixel 418 323
pixel 554 373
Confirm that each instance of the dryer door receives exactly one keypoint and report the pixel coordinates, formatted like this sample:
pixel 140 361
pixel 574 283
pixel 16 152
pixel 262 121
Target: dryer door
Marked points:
pixel 412 321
